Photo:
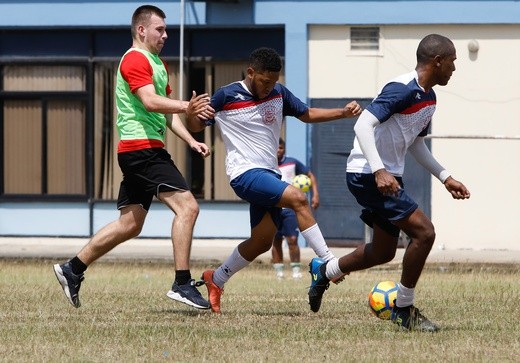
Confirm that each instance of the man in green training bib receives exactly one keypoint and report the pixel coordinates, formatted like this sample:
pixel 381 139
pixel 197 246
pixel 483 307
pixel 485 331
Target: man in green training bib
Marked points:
pixel 144 111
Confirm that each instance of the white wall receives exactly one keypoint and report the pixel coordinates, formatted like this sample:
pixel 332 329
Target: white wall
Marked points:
pixel 482 98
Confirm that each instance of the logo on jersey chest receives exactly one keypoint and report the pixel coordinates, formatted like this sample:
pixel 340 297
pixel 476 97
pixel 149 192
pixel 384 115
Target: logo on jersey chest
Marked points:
pixel 269 112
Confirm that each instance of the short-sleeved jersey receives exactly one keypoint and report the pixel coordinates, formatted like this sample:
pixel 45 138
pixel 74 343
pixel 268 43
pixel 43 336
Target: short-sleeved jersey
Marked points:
pixel 404 111
pixel 290 167
pixel 138 128
pixel 250 126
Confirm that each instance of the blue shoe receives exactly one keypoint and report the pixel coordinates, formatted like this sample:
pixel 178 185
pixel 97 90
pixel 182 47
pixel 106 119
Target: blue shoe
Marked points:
pixel 69 282
pixel 319 282
pixel 188 294
pixel 410 318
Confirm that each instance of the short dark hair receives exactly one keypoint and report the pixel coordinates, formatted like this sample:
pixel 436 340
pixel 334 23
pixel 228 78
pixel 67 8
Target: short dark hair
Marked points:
pixel 143 14
pixel 281 142
pixel 265 59
pixel 433 45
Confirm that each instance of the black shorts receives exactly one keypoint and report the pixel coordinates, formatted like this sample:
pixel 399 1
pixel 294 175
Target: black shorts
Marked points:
pixel 147 173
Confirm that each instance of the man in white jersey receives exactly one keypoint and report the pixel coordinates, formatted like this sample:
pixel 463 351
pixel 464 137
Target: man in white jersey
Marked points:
pixel 249 114
pixel 394 123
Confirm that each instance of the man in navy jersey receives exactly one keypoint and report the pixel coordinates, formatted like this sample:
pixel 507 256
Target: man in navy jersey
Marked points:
pixel 395 123
pixel 249 114
pixel 290 167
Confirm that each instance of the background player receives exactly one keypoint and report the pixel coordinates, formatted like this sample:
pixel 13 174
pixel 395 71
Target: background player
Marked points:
pixel 290 167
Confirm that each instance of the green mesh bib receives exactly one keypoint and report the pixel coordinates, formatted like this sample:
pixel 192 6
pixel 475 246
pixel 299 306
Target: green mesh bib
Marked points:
pixel 133 121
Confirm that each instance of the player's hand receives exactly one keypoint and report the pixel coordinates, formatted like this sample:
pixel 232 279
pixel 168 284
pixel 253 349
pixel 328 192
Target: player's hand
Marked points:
pixel 386 183
pixel 352 109
pixel 200 107
pixel 315 201
pixel 200 148
pixel 456 189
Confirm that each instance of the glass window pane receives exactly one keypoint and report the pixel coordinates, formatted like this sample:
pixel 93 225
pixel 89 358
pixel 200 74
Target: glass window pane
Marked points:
pixel 22 147
pixel 44 78
pixel 66 147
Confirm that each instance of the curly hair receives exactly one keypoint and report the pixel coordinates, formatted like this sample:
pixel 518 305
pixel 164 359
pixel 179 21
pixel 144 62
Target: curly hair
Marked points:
pixel 265 59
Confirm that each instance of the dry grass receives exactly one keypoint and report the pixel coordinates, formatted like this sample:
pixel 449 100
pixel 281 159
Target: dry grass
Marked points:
pixel 126 317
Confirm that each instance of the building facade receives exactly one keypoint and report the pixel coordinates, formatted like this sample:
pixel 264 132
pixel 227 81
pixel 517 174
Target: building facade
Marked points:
pixel 59 175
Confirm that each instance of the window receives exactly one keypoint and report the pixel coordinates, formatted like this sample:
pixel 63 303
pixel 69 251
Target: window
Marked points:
pixel 364 38
pixel 43 120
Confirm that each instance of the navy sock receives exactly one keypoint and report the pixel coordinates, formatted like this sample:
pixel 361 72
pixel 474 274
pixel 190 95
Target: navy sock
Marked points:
pixel 182 276
pixel 77 266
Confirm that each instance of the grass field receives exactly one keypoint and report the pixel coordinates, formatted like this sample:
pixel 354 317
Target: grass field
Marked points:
pixel 126 317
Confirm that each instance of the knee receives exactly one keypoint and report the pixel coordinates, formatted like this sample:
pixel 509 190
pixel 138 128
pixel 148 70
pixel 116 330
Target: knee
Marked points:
pixel 133 230
pixel 292 242
pixel 190 210
pixel 427 238
pixel 386 256
pixel 299 201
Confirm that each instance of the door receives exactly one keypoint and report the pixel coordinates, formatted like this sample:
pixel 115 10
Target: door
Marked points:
pixel 338 214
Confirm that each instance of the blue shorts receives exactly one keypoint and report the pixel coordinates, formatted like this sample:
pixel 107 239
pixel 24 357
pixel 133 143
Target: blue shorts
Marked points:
pixel 288 224
pixel 263 189
pixel 378 208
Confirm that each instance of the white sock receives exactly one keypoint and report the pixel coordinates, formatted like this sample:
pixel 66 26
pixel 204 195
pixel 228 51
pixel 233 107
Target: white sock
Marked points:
pixel 316 241
pixel 405 296
pixel 295 267
pixel 278 267
pixel 295 264
pixel 333 269
pixel 234 263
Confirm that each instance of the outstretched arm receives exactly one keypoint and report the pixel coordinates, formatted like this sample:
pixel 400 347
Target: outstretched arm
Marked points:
pixel 160 104
pixel 316 115
pixel 422 154
pixel 175 124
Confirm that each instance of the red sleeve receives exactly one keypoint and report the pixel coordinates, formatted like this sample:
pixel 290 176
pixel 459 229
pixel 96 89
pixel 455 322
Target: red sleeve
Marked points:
pixel 136 70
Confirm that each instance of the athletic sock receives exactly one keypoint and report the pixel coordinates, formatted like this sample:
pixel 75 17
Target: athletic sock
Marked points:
pixel 405 296
pixel 295 267
pixel 182 276
pixel 333 269
pixel 278 267
pixel 315 239
pixel 234 263
pixel 77 266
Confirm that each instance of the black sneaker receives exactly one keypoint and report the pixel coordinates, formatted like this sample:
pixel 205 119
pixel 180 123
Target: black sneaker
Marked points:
pixel 188 294
pixel 69 282
pixel 319 282
pixel 411 318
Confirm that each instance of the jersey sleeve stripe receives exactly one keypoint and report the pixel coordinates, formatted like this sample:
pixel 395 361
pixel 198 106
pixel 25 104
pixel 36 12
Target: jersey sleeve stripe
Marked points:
pixel 418 106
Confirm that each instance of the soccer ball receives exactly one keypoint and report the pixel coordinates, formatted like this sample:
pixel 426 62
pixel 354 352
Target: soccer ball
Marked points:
pixel 302 182
pixel 381 299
